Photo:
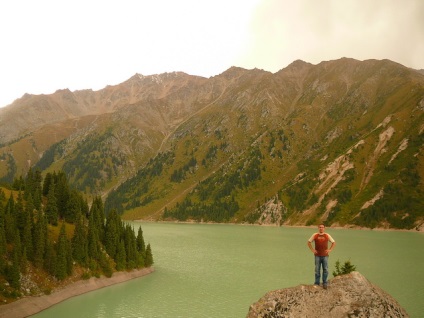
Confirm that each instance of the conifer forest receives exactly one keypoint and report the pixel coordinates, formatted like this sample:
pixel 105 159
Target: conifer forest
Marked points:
pixel 49 231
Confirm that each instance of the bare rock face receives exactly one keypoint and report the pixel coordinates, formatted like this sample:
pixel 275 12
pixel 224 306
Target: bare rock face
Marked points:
pixel 350 295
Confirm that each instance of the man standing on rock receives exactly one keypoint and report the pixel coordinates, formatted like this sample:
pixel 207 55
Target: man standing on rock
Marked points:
pixel 321 252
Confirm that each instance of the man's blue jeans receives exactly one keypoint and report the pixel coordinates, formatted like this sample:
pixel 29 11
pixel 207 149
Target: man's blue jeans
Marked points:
pixel 321 261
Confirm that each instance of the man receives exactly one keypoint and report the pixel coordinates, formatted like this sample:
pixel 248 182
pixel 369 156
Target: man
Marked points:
pixel 321 252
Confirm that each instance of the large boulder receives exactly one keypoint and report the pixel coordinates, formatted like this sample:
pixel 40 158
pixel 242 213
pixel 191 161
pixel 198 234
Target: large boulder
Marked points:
pixel 350 295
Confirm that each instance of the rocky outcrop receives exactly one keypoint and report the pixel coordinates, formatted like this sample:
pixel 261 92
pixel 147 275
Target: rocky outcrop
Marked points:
pixel 350 295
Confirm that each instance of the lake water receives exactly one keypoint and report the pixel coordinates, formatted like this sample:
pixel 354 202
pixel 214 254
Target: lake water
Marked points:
pixel 217 270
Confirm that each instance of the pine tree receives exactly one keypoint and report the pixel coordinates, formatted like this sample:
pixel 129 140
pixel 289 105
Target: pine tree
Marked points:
pixel 29 207
pixel 93 239
pixel 29 184
pixel 69 259
pixel 48 180
pixel 13 274
pixel 50 258
pixel 130 247
pixel 13 270
pixel 28 227
pixel 24 261
pixel 61 252
pixel 121 257
pixel 112 233
pixel 62 193
pixel 3 243
pixel 79 242
pixel 37 199
pixel 85 207
pixel 73 207
pixel 18 184
pixel 20 212
pixel 9 219
pixel 140 260
pixel 97 211
pixel 148 259
pixel 40 230
pixel 141 247
pixel 51 207
pixel 105 265
pixel 38 178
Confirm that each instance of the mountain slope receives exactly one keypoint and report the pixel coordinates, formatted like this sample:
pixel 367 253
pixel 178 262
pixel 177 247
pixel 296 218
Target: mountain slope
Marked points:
pixel 340 141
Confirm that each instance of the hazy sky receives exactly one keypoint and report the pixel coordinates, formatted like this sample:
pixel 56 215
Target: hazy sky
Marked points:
pixel 47 45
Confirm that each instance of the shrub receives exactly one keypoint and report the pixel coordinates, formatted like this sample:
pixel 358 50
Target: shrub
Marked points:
pixel 345 269
pixel 85 276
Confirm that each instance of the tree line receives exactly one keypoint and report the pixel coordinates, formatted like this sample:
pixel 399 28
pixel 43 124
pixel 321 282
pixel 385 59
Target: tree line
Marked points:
pixel 129 194
pixel 46 225
pixel 214 199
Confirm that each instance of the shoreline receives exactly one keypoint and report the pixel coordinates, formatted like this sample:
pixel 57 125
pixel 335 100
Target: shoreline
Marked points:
pixel 337 227
pixel 31 305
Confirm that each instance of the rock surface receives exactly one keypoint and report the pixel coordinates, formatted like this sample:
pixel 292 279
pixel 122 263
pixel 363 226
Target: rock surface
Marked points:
pixel 350 295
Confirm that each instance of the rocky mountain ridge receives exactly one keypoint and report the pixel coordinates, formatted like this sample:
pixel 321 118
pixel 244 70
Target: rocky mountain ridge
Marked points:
pixel 31 112
pixel 328 142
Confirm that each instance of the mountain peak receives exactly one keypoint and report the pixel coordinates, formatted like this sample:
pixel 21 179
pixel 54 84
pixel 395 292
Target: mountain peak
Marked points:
pixel 235 72
pixel 155 78
pixel 62 91
pixel 296 67
pixel 299 63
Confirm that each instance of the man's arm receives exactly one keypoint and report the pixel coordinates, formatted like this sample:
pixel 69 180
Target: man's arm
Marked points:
pixel 333 245
pixel 311 248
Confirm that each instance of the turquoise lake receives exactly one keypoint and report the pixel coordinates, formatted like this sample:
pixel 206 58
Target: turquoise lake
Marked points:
pixel 218 270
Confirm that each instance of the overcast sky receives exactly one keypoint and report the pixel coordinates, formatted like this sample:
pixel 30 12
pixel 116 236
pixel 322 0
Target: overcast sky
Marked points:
pixel 47 45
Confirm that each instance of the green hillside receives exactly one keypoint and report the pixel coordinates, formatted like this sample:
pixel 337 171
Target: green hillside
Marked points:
pixel 339 142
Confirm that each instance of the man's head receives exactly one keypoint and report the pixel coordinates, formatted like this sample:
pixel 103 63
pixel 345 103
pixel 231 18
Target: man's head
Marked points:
pixel 321 228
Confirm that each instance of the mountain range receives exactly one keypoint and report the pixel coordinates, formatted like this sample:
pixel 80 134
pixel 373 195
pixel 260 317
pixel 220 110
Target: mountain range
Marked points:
pixel 339 142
